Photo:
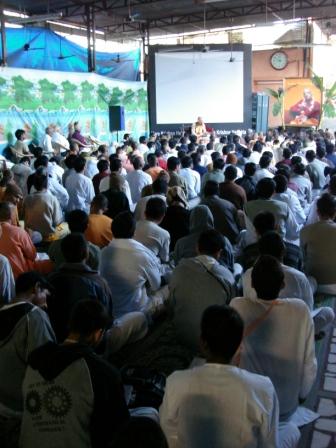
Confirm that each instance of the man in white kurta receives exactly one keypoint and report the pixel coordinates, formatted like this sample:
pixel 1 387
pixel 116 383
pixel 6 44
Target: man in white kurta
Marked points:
pixel 297 285
pixel 279 336
pixel 79 187
pixel 218 405
pixel 150 234
pixel 46 144
pixel 132 271
pixel 192 178
pixel 137 179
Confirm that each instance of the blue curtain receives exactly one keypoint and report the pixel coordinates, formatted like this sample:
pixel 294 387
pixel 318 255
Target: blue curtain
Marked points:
pixel 48 46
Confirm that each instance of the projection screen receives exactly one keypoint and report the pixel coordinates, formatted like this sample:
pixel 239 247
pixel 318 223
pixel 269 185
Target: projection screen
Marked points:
pixel 186 84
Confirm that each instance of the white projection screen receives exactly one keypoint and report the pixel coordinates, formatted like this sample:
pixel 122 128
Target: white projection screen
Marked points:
pixel 189 84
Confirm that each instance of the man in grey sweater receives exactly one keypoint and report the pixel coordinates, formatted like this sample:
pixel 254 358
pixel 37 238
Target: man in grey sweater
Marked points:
pixel 23 327
pixel 197 283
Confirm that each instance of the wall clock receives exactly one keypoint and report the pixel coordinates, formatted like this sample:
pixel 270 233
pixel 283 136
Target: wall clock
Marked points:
pixel 279 60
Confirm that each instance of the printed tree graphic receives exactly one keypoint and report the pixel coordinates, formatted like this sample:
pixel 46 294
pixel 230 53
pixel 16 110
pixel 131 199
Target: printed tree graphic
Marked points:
pixel 116 97
pixel 103 95
pixel 142 100
pixel 34 134
pixel 87 94
pixel 129 100
pixel 5 99
pixel 70 99
pixel 23 94
pixel 50 99
pixel 9 132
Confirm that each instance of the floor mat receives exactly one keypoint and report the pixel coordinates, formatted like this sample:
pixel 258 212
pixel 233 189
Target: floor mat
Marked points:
pixel 159 350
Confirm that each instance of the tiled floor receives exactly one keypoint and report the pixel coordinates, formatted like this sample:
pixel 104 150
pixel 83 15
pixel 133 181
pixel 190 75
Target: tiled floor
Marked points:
pixel 322 433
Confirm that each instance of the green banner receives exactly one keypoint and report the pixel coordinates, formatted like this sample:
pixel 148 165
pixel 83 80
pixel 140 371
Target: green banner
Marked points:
pixel 33 99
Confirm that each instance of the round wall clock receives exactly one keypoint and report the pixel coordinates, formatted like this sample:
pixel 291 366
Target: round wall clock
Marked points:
pixel 279 60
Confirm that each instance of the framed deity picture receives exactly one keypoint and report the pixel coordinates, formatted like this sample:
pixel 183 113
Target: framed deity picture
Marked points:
pixel 302 102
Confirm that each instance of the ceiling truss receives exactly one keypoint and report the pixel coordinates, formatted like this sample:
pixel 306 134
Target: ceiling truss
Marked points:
pixel 183 16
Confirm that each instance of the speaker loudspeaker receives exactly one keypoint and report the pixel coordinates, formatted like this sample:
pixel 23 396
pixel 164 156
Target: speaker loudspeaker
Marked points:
pixel 116 118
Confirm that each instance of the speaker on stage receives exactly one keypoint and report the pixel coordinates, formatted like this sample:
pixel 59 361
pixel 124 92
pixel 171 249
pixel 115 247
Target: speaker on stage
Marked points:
pixel 116 118
pixel 260 112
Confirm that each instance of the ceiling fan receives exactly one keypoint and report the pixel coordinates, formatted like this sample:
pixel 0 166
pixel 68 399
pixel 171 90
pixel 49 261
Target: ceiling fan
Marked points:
pixel 27 47
pixel 135 17
pixel 61 56
pixel 119 59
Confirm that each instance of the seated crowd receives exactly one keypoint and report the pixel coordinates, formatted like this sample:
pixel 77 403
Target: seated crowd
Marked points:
pixel 228 241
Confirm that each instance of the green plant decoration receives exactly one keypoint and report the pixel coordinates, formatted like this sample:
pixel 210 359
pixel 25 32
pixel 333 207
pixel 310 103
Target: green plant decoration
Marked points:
pixel 328 97
pixel 277 108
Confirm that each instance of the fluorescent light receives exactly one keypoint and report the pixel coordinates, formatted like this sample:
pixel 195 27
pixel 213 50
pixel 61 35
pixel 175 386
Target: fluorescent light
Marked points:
pixel 12 25
pixel 14 14
pixel 75 27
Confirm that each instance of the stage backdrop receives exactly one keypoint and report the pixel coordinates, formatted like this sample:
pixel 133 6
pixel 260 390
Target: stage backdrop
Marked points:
pixel 32 99
pixel 302 102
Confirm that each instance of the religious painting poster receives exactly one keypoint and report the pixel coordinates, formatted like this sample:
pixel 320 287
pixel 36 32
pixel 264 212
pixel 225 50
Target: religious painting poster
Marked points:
pixel 302 102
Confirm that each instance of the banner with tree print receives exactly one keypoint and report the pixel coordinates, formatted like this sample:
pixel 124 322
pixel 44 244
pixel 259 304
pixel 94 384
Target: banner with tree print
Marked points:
pixel 33 99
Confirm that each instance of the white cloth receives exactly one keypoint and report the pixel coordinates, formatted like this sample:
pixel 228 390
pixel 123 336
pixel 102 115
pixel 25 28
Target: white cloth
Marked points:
pixel 91 167
pixel 296 286
pixel 304 191
pixel 132 272
pixel 56 171
pixel 255 157
pixel 60 139
pixel 239 171
pixel 220 406
pixel 261 173
pixel 313 216
pixel 143 148
pixel 193 180
pixel 105 185
pixel 127 329
pixel 277 153
pixel 206 158
pixel 137 180
pixel 56 189
pixel 292 200
pixel 46 144
pixel 281 347
pixel 81 192
pixel 139 212
pixel 171 153
pixel 7 283
pixel 284 217
pixel 154 238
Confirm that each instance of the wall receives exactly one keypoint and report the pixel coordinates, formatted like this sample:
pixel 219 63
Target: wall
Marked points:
pixel 264 76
